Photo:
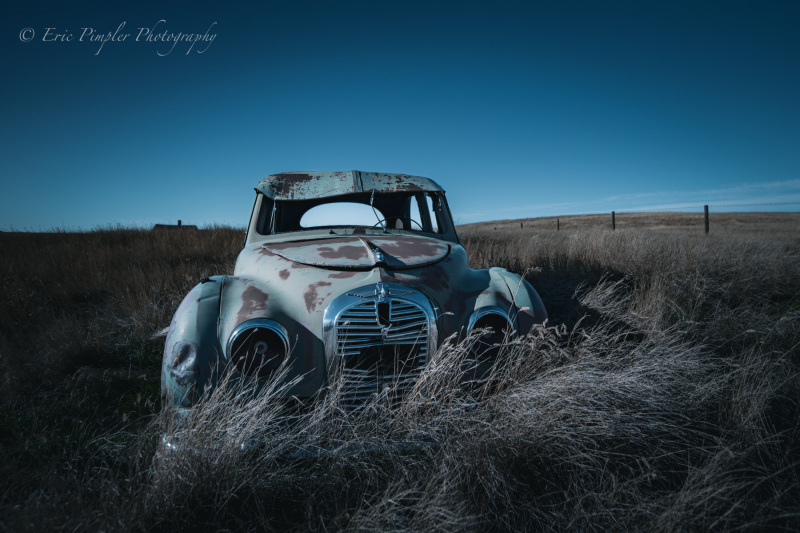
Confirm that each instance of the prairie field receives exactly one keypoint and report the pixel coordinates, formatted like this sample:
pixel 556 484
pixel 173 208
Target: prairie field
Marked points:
pixel 663 394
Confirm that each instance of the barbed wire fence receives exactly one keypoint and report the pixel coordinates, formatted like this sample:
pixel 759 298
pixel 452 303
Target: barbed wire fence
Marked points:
pixel 705 208
pixel 684 208
pixel 710 206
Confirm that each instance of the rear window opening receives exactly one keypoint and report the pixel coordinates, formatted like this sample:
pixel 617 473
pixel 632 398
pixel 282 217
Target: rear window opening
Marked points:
pixel 340 214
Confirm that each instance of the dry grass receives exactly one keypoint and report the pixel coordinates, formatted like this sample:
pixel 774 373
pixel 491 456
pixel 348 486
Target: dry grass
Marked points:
pixel 80 298
pixel 663 396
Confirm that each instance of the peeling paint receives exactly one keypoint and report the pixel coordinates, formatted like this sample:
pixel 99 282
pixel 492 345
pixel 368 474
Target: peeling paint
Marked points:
pixel 263 250
pixel 284 274
pixel 311 296
pixel 285 184
pixel 353 253
pixel 356 251
pixel 293 245
pixel 344 274
pixel 411 247
pixel 253 301
pixel 307 185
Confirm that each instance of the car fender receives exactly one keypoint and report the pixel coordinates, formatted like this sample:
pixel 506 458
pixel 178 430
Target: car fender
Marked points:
pixel 244 299
pixel 192 352
pixel 528 305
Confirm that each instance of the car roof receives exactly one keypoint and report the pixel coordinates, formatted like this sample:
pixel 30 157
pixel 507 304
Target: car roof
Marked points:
pixel 308 185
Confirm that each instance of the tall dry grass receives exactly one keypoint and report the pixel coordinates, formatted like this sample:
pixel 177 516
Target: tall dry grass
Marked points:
pixel 75 299
pixel 663 396
pixel 722 287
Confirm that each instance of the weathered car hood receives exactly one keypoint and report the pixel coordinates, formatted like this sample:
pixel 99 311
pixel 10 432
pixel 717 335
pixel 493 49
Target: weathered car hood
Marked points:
pixel 360 252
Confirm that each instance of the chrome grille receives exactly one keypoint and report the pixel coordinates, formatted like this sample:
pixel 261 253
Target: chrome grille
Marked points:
pixel 381 346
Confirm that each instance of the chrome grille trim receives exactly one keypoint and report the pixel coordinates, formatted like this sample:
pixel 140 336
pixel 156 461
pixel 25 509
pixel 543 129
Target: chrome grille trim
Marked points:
pixel 355 338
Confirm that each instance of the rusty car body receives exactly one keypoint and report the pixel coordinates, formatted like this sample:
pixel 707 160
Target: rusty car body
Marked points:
pixel 371 302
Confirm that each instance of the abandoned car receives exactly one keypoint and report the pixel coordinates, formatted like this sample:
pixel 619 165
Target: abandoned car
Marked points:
pixel 326 293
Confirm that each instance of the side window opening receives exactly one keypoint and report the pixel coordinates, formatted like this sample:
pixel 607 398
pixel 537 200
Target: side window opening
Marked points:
pixel 417 222
pixel 264 222
pixel 432 204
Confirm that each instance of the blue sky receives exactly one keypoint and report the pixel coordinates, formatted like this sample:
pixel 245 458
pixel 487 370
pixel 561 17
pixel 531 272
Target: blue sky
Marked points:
pixel 519 109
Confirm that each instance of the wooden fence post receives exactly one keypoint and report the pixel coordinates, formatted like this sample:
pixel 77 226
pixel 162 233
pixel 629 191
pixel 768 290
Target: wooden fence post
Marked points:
pixel 613 221
pixel 558 225
pixel 705 208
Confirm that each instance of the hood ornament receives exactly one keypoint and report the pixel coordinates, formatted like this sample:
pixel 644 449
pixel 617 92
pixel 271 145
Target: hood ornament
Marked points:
pixel 380 291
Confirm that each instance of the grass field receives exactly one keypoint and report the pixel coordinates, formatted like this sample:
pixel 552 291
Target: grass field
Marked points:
pixel 662 395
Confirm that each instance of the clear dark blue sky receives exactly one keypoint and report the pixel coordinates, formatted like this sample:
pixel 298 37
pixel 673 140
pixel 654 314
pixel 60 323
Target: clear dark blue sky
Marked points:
pixel 518 109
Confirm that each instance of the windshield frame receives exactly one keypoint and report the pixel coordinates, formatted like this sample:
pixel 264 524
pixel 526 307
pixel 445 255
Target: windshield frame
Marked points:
pixel 272 218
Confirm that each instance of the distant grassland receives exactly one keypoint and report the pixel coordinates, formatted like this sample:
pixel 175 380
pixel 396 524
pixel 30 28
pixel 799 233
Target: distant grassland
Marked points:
pixel 691 223
pixel 663 395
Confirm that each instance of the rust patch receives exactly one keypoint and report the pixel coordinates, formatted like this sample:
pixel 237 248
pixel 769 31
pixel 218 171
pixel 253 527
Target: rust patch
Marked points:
pixel 282 246
pixel 311 296
pixel 284 274
pixel 405 247
pixel 343 275
pixel 339 251
pixel 407 187
pixel 354 253
pixel 285 184
pixel 253 300
pixel 399 183
pixel 263 250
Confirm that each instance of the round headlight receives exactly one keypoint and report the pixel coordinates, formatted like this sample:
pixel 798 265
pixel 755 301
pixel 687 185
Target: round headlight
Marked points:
pixel 258 347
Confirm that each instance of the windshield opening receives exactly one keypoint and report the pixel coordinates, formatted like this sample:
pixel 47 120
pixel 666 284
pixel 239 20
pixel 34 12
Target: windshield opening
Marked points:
pixel 415 212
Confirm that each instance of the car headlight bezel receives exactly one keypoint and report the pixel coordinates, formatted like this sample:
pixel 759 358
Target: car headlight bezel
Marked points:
pixel 258 347
pixel 488 345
